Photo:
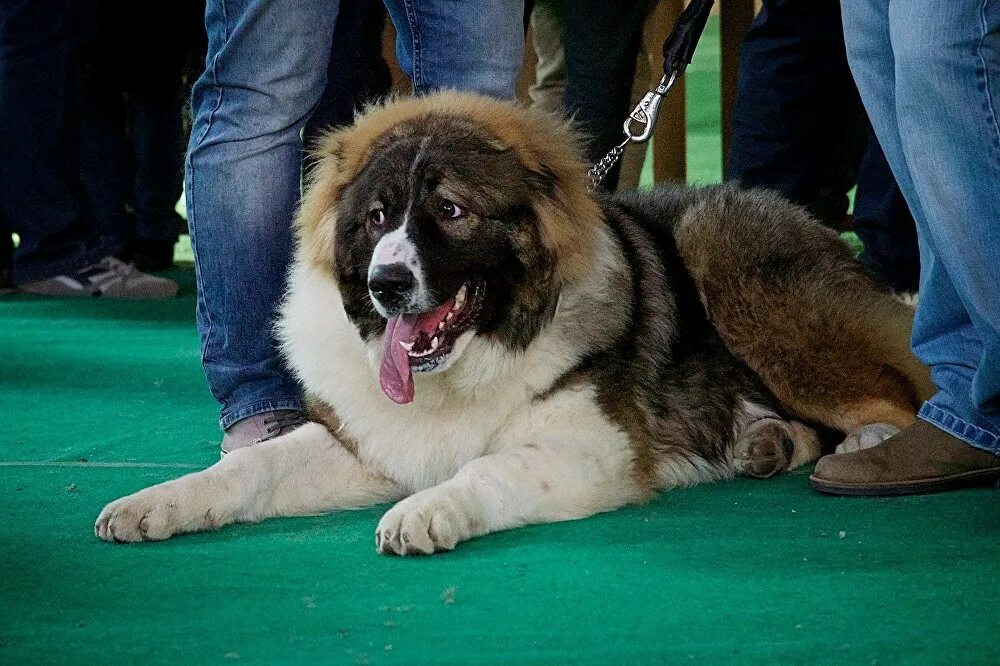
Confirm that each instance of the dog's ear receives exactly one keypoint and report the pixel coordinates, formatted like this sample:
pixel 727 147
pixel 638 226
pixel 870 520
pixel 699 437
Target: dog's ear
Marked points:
pixel 328 177
pixel 330 146
pixel 543 179
pixel 541 176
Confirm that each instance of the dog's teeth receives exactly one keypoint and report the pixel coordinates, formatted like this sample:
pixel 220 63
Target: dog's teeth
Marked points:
pixel 408 346
pixel 441 325
pixel 435 343
pixel 449 316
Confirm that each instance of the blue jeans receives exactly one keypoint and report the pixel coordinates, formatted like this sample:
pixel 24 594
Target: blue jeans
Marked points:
pixel 929 74
pixel 265 72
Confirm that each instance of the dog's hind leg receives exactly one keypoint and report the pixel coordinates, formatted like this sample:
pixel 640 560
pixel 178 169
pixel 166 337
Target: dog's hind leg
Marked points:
pixel 305 472
pixel 789 299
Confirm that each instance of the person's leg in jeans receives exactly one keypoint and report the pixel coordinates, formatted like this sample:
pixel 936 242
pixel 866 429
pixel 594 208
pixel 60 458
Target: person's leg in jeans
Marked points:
pixel 265 72
pixel 475 45
pixel 952 149
pixel 928 75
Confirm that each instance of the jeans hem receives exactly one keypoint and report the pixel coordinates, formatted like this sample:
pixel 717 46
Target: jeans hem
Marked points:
pixel 228 418
pixel 965 431
pixel 37 271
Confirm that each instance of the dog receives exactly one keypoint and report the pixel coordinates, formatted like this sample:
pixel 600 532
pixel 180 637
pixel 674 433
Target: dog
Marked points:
pixel 488 345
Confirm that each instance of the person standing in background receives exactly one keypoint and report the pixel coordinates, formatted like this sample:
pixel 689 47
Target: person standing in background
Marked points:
pixel 929 75
pixel 67 247
pixel 133 132
pixel 799 128
pixel 587 60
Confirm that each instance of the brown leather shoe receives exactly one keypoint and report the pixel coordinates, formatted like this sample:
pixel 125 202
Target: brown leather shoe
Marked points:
pixel 920 459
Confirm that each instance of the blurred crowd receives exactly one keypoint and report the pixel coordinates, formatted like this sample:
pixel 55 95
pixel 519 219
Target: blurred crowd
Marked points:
pixel 95 102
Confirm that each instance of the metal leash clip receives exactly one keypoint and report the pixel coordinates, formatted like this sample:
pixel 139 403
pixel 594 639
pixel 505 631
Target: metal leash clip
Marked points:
pixel 647 109
pixel 644 115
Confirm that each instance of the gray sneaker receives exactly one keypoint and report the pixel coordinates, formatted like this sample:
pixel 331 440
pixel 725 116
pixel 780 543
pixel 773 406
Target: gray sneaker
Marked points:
pixel 108 278
pixel 260 428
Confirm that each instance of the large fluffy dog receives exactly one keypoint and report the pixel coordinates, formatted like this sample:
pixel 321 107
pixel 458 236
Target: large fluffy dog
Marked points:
pixel 482 340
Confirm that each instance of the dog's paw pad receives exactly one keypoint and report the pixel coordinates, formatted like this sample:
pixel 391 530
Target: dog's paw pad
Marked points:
pixel 765 452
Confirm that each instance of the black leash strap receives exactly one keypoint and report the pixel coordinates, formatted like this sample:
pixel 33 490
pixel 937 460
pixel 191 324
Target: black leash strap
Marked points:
pixel 677 53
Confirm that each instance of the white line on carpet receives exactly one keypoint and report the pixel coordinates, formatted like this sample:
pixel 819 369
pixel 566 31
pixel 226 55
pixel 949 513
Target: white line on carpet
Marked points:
pixel 100 464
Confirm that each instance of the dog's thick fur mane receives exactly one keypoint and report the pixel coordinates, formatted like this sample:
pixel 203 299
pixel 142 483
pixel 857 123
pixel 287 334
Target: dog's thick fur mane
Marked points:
pixel 569 217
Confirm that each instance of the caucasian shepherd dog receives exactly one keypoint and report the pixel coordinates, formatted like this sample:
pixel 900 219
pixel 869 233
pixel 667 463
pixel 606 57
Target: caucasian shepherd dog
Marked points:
pixel 487 344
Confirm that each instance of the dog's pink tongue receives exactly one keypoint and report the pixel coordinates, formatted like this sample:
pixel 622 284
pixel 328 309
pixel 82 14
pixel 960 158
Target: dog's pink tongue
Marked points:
pixel 394 373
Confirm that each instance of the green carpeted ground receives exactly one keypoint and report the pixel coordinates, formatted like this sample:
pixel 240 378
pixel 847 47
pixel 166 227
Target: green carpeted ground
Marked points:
pixel 101 399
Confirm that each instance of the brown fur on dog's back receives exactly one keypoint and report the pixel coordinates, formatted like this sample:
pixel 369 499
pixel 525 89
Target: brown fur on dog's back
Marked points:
pixel 789 299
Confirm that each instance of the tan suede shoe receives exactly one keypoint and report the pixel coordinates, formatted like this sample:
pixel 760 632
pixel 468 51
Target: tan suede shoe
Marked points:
pixel 920 459
pixel 261 428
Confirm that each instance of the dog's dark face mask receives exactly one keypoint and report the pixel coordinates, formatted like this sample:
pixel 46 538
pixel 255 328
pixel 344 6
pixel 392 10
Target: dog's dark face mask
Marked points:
pixel 437 241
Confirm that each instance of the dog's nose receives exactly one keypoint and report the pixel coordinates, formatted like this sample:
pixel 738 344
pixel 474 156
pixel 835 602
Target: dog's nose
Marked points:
pixel 391 284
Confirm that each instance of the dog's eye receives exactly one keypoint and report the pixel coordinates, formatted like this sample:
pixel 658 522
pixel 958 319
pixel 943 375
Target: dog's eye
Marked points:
pixel 451 209
pixel 376 217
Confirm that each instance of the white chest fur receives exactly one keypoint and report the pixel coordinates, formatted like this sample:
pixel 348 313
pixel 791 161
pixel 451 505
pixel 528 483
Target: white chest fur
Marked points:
pixel 454 416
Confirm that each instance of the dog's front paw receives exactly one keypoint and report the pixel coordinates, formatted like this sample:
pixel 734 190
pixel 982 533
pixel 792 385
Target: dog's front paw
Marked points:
pixel 152 514
pixel 866 437
pixel 428 522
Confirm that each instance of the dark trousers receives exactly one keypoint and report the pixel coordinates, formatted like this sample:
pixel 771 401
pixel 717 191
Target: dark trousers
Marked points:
pixel 356 74
pixel 799 128
pixel 134 137
pixel 41 192
pixel 602 43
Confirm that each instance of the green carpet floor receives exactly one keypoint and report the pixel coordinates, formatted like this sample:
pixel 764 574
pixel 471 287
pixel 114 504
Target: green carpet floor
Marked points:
pixel 101 399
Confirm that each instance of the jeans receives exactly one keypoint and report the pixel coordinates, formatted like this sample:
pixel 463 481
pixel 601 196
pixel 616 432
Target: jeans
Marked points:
pixel 929 75
pixel 799 129
pixel 265 73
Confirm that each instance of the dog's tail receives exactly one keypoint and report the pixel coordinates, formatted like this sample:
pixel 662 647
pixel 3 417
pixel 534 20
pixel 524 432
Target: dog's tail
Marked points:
pixel 888 322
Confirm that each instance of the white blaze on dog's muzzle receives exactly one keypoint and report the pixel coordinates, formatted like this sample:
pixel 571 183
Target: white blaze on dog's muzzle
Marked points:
pixel 395 278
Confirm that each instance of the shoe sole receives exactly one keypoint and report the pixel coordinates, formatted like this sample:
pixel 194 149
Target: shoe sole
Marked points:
pixel 977 479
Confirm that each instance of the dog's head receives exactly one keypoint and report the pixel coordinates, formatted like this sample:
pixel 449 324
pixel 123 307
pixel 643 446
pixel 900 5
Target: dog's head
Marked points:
pixel 446 217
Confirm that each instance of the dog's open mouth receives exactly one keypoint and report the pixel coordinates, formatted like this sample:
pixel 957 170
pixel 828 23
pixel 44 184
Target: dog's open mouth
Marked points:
pixel 422 342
